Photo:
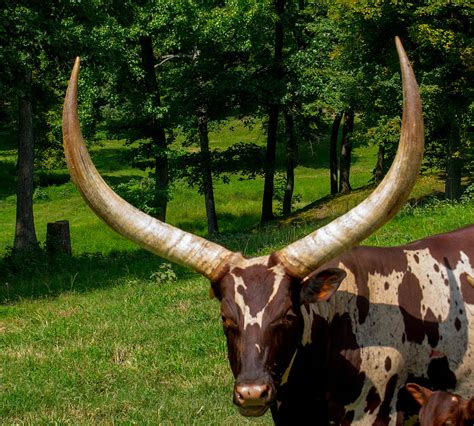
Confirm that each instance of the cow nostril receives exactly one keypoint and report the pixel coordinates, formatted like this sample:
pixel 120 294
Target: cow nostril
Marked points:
pixel 246 395
pixel 238 397
pixel 265 392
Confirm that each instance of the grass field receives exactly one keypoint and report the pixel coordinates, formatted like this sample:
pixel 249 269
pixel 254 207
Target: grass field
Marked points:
pixel 114 335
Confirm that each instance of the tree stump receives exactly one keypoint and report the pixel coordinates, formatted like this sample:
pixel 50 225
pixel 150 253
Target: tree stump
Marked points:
pixel 58 238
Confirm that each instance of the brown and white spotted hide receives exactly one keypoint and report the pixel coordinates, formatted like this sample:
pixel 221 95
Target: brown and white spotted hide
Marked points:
pixel 400 314
pixel 439 408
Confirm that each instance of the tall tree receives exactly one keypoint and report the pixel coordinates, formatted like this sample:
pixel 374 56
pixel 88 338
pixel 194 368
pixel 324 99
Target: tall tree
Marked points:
pixel 320 78
pixel 25 235
pixel 206 171
pixel 32 73
pixel 346 152
pixel 212 79
pixel 273 113
pixel 132 96
pixel 291 160
pixel 157 131
pixel 333 157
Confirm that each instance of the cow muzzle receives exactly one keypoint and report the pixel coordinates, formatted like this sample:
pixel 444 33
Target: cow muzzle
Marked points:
pixel 253 400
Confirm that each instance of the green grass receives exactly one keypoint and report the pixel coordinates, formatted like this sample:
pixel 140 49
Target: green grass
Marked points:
pixel 97 339
pixel 112 337
pixel 115 356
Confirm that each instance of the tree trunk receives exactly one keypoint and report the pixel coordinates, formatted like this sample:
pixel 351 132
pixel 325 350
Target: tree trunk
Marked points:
pixel 270 159
pixel 25 235
pixel 454 162
pixel 208 188
pixel 274 108
pixel 333 153
pixel 379 167
pixel 157 131
pixel 291 159
pixel 346 151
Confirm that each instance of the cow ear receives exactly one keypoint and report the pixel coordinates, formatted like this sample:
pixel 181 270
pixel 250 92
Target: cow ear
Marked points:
pixel 321 286
pixel 215 291
pixel 419 393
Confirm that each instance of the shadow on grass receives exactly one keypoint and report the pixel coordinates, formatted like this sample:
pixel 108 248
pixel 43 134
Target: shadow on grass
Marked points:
pixel 39 275
pixel 45 178
pixel 228 224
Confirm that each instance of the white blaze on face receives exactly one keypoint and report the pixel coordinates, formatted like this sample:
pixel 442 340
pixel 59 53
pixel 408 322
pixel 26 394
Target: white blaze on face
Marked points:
pixel 278 274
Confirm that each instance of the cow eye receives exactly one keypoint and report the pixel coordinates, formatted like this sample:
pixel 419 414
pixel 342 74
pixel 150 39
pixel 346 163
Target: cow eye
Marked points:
pixel 286 319
pixel 228 323
pixel 290 316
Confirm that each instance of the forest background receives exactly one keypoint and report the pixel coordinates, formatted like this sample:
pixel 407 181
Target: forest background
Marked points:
pixel 161 74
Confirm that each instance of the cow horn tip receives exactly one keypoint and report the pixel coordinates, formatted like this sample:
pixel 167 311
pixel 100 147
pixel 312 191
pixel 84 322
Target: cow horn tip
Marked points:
pixel 77 64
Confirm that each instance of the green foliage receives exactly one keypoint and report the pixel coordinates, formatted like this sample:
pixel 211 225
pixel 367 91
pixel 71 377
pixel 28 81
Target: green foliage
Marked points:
pixel 245 160
pixel 468 195
pixel 40 194
pixel 165 274
pixel 279 193
pixel 438 40
pixel 140 193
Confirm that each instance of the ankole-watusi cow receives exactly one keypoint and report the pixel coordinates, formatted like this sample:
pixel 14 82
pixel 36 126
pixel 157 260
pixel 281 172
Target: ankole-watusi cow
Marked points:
pixel 295 344
pixel 440 408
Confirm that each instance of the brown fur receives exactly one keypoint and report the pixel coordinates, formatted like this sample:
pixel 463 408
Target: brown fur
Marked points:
pixel 442 408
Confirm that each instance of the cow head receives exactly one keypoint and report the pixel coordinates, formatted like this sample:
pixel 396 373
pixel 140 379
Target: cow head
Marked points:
pixel 260 310
pixel 439 408
pixel 259 297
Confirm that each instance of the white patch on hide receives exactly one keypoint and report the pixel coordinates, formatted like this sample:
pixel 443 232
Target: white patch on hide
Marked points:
pixel 257 319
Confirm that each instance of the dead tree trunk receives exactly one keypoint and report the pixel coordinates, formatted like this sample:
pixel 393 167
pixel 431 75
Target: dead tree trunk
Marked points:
pixel 291 160
pixel 274 108
pixel 346 152
pixel 333 153
pixel 157 131
pixel 25 235
pixel 206 170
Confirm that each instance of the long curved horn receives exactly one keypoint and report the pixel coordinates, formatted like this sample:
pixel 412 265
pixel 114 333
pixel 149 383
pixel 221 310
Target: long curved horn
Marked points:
pixel 305 255
pixel 160 238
